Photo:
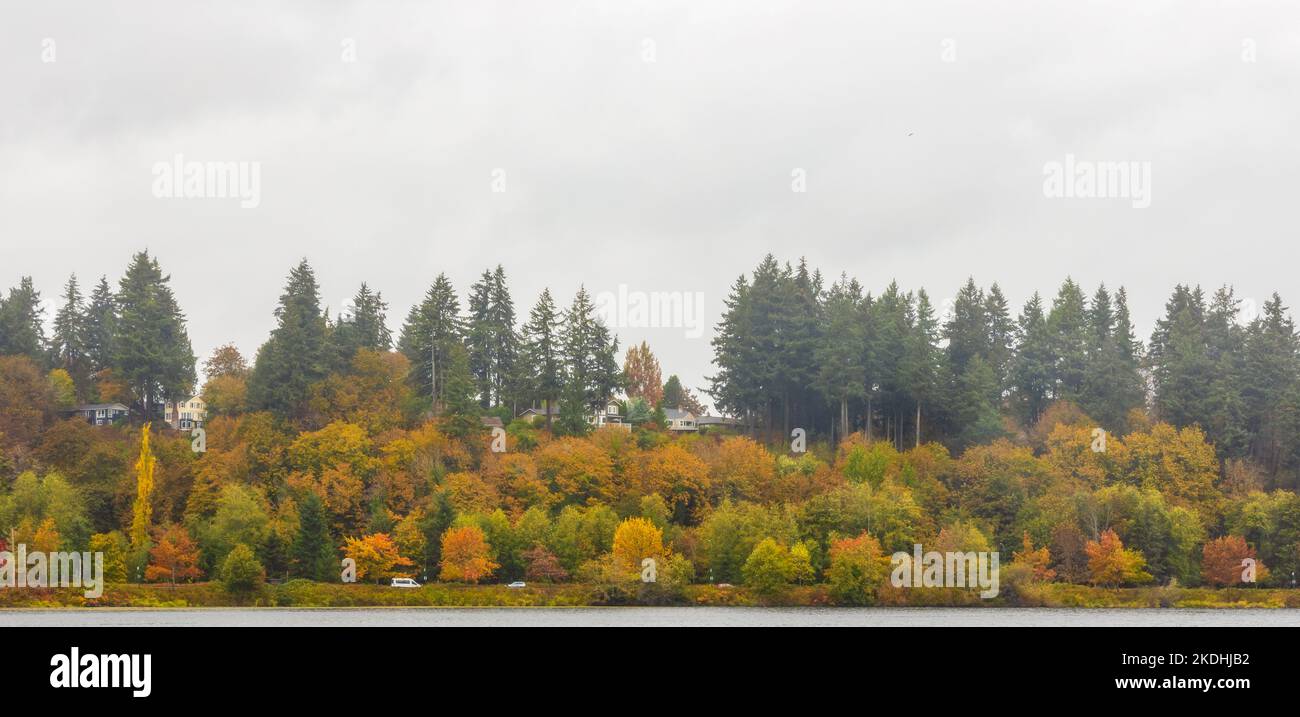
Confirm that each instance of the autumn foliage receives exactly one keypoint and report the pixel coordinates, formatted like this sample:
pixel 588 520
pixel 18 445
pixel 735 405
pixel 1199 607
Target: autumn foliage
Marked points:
pixel 1109 563
pixel 466 556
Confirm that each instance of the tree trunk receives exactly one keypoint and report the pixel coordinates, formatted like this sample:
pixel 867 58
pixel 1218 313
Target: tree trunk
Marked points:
pixel 844 417
pixel 868 417
pixel 918 424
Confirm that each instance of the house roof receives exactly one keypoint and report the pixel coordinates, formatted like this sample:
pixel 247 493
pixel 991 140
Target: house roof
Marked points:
pixel 491 422
pixel 677 414
pixel 97 406
pixel 717 421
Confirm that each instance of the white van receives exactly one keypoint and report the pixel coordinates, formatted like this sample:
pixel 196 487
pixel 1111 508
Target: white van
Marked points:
pixel 405 583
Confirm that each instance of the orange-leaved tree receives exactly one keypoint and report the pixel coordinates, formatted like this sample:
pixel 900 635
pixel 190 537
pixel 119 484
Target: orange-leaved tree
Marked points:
pixel 174 556
pixel 1223 561
pixel 377 557
pixel 466 555
pixel 1110 563
pixel 1037 560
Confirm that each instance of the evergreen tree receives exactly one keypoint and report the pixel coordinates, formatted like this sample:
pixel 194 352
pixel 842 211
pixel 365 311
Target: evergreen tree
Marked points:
pixel 507 379
pixel 967 330
pixel 1179 357
pixel 365 326
pixel 1032 365
pixel 22 323
pixel 543 365
pixel 1067 322
pixel 1001 337
pixel 1225 424
pixel 975 407
pixel 431 329
pixel 461 409
pixel 841 354
pixel 1272 365
pixel 295 355
pixel 69 345
pixel 923 372
pixel 100 326
pixel 735 388
pixel 313 555
pixel 590 354
pixel 479 341
pixel 152 349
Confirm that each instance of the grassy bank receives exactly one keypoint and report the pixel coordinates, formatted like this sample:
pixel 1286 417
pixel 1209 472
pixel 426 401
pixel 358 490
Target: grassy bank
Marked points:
pixel 301 593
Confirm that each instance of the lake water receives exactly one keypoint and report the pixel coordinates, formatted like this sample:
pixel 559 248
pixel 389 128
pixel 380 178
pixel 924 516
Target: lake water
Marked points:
pixel 651 617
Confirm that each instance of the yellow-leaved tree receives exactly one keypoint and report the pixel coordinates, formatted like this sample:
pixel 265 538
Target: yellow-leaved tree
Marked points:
pixel 636 539
pixel 142 511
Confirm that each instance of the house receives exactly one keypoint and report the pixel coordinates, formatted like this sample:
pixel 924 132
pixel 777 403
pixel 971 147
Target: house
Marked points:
pixel 717 421
pixel 680 420
pixel 99 414
pixel 491 422
pixel 186 414
pixel 610 415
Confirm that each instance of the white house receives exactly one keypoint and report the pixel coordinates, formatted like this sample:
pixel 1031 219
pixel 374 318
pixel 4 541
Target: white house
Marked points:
pixel 610 415
pixel 680 420
pixel 187 414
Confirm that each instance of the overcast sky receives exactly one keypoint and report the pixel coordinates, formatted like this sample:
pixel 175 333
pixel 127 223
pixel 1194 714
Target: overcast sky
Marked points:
pixel 648 144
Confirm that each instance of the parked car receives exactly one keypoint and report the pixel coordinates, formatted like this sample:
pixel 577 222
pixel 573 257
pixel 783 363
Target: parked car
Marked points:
pixel 405 583
pixel 517 584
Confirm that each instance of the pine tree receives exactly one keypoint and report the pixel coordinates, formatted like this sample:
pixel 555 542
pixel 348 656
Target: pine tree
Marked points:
pixel 967 329
pixel 151 347
pixel 976 404
pixel 100 326
pixel 312 554
pixel 479 341
pixel 1272 365
pixel 589 353
pixel 69 345
pixel 735 389
pixel 842 352
pixel 462 410
pixel 506 377
pixel 923 370
pixel 1225 424
pixel 1032 366
pixel 542 350
pixel 431 329
pixel 295 355
pixel 1067 323
pixel 1001 336
pixel 1180 364
pixel 22 323
pixel 363 327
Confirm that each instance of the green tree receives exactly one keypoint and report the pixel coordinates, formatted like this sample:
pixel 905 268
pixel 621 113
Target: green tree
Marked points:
pixel 152 349
pixel 241 573
pixel 294 357
pixel 312 554
pixel 768 569
pixel 22 323
pixel 543 363
pixel 432 328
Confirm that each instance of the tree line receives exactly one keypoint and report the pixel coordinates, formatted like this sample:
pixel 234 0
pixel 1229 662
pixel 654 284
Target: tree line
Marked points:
pixel 791 351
